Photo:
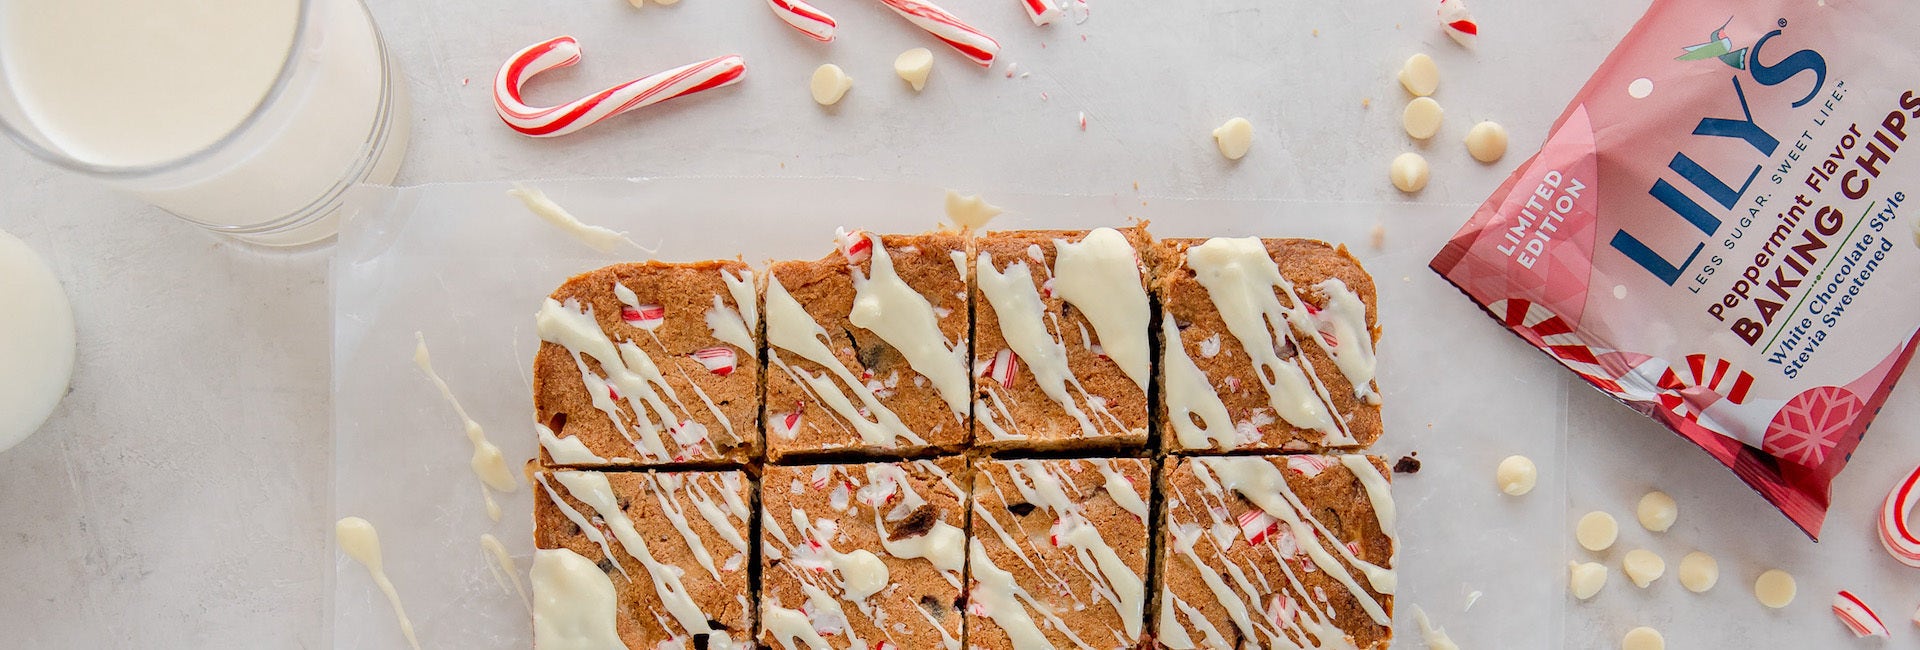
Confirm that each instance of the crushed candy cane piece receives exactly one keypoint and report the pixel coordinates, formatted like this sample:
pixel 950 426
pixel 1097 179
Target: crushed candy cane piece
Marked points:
pixel 1458 22
pixel 643 316
pixel 1895 534
pixel 1857 616
pixel 718 360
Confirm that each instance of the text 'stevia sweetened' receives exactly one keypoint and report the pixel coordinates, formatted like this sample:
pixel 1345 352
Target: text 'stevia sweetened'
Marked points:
pixel 1717 232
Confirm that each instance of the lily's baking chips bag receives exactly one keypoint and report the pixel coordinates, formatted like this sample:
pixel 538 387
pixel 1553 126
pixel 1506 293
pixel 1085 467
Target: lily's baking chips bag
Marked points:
pixel 1717 232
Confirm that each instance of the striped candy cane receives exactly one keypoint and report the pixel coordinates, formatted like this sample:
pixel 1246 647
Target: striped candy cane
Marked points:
pixel 563 51
pixel 1042 11
pixel 804 17
pixel 970 42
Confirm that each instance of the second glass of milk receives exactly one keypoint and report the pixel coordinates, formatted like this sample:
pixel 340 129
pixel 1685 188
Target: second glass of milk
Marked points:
pixel 248 117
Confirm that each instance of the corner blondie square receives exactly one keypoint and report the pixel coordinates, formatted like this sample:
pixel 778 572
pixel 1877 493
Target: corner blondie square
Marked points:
pixel 866 349
pixel 674 545
pixel 1267 346
pixel 649 363
pixel 1276 551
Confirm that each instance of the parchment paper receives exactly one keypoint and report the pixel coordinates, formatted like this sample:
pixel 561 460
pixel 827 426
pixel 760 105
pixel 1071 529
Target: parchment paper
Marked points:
pixel 467 265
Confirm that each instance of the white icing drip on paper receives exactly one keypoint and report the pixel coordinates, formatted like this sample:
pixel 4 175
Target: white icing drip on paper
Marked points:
pixel 1345 315
pixel 502 565
pixel 568 450
pixel 1100 276
pixel 362 543
pixel 970 211
pixel 576 330
pixel 487 462
pixel 791 328
pixel 1435 637
pixel 1240 278
pixel 592 489
pixel 1189 395
pixel 573 603
pixel 1262 484
pixel 595 237
pixel 890 308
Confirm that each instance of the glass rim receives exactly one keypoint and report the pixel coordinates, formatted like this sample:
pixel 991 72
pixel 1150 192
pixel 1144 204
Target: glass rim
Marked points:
pixel 303 17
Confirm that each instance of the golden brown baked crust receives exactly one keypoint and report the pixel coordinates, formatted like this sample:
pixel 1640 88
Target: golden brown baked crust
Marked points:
pixel 849 509
pixel 1012 411
pixel 1214 535
pixel 1231 373
pixel 1059 517
pixel 824 287
pixel 641 618
pixel 686 292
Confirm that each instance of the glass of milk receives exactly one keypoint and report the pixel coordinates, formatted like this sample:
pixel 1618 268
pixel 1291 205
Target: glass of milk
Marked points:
pixel 251 118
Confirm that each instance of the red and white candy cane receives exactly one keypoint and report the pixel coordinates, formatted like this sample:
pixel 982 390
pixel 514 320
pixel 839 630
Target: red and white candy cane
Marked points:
pixel 804 17
pixel 1857 615
pixel 1458 22
pixel 1042 11
pixel 1894 532
pixel 970 42
pixel 563 51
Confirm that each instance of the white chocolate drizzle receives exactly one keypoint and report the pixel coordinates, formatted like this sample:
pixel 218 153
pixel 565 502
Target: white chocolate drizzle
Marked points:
pixel 1262 484
pixel 568 450
pixel 1345 318
pixel 686 432
pixel 487 461
pixel 502 565
pixel 887 306
pixel 593 489
pixel 1100 276
pixel 1198 416
pixel 596 237
pixel 1112 582
pixel 1380 496
pixel 791 328
pixel 573 603
pixel 735 325
pixel 1017 306
pixel 361 542
pixel 1240 278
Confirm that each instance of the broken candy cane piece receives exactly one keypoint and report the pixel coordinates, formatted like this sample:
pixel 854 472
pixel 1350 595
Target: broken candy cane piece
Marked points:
pixel 1857 616
pixel 563 51
pixel 643 316
pixel 970 42
pixel 1458 22
pixel 1042 11
pixel 816 24
pixel 1895 535
pixel 719 360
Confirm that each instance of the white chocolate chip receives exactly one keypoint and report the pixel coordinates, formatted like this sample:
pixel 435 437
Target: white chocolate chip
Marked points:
pixel 1419 75
pixel 829 84
pixel 1234 138
pixel 1657 511
pixel 1643 638
pixel 1643 567
pixel 1699 572
pixel 1586 578
pixel 1421 118
pixel 1775 588
pixel 1516 474
pixel 913 66
pixel 1596 531
pixel 1487 142
pixel 1409 172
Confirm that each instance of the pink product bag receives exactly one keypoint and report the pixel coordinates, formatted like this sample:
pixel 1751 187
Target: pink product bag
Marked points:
pixel 1717 232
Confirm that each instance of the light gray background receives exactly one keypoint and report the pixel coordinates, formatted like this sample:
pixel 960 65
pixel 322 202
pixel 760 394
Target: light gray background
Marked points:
pixel 179 496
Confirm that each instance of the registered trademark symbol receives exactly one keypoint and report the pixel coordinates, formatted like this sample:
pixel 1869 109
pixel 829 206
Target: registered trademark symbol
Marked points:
pixel 1782 23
